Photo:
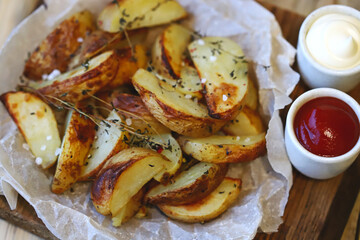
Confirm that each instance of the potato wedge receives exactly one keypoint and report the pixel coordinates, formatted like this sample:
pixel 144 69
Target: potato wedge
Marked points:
pixel 123 176
pixel 133 14
pixel 224 149
pixel 36 121
pixel 173 109
pixel 251 99
pixel 168 50
pixel 190 186
pixel 74 85
pixel 129 63
pixel 99 41
pixel 247 122
pixel 79 136
pixel 109 140
pixel 56 51
pixel 207 208
pixel 129 210
pixel 224 72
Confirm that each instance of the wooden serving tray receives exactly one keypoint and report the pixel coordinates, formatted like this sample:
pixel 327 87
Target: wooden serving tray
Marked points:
pixel 315 210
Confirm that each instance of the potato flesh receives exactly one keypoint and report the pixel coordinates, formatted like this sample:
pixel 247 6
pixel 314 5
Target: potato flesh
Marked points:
pixel 37 123
pixel 76 144
pixel 183 180
pixel 220 63
pixel 208 208
pixel 133 179
pixel 108 142
pixel 222 140
pixel 133 14
pixel 251 99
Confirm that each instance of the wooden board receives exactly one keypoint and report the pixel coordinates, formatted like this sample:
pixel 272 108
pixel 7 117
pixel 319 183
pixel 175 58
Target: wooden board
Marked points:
pixel 316 209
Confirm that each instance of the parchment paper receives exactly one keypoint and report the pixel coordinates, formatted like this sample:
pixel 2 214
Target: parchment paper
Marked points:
pixel 266 181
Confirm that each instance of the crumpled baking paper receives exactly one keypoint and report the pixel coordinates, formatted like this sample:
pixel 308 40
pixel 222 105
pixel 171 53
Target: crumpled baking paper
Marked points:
pixel 266 181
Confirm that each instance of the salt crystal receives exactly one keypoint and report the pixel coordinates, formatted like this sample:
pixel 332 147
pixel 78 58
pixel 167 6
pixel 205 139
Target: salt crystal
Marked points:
pixel 201 42
pixel 212 58
pixel 44 76
pixel 188 96
pixel 128 121
pixel 54 74
pixel 43 148
pixel 203 80
pixel 38 160
pixel 225 97
pixel 80 39
pixel 57 151
pixel 49 137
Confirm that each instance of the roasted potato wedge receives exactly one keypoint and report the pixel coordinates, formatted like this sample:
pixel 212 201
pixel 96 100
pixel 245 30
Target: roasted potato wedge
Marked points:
pixel 129 210
pixel 168 50
pixel 182 115
pixel 79 136
pixel 129 62
pixel 207 208
pixel 78 83
pixel 190 186
pixel 56 51
pixel 224 72
pixel 109 140
pixel 247 122
pixel 99 41
pixel 133 14
pixel 36 122
pixel 123 176
pixel 251 99
pixel 224 149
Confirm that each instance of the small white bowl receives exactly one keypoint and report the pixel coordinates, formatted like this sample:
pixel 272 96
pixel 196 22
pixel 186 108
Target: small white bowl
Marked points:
pixel 316 75
pixel 309 164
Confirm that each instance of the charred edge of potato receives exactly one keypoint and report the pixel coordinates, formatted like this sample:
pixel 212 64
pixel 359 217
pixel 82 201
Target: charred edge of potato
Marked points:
pixel 56 51
pixel 102 188
pixel 92 80
pixel 165 59
pixel 222 153
pixel 202 187
pixel 208 208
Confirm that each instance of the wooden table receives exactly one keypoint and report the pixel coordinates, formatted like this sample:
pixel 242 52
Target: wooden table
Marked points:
pixel 316 209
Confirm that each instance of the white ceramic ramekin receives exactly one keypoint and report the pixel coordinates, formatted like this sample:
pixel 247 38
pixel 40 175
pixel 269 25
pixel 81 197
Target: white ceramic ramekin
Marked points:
pixel 316 75
pixel 309 164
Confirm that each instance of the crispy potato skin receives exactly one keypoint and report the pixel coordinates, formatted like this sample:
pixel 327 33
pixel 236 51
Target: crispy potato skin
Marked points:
pixel 206 208
pixel 92 80
pixel 193 192
pixel 226 153
pixel 56 50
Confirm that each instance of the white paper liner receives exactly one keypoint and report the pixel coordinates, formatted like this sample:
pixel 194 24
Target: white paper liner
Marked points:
pixel 266 181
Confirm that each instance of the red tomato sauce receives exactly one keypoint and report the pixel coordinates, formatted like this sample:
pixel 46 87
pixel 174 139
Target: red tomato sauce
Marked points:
pixel 327 126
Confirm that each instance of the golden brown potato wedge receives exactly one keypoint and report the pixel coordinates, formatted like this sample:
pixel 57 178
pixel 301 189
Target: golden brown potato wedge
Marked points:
pixel 190 186
pixel 224 149
pixel 129 62
pixel 224 72
pixel 207 208
pixel 78 83
pixel 247 122
pixel 99 41
pixel 129 210
pixel 168 50
pixel 123 176
pixel 251 99
pixel 79 136
pixel 173 109
pixel 36 122
pixel 109 140
pixel 133 14
pixel 56 50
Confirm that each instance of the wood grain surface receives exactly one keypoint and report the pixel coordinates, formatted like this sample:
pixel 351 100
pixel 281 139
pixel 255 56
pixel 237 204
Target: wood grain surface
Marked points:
pixel 315 210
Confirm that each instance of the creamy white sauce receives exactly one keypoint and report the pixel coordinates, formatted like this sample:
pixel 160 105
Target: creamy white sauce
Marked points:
pixel 333 40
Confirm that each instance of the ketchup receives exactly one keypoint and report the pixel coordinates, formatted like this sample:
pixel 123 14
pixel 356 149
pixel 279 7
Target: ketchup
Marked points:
pixel 327 126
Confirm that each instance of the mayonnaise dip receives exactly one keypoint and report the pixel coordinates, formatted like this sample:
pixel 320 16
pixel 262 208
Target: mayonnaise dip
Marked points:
pixel 333 40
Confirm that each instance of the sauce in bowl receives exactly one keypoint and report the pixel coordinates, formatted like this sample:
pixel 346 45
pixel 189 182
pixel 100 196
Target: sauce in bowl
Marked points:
pixel 327 126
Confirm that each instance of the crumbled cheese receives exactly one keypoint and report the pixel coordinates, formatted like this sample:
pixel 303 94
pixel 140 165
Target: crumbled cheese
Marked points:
pixel 53 74
pixel 201 42
pixel 188 96
pixel 128 121
pixel 225 97
pixel 203 80
pixel 80 39
pixel 43 148
pixel 212 58
pixel 49 137
pixel 38 160
pixel 25 146
pixel 57 151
